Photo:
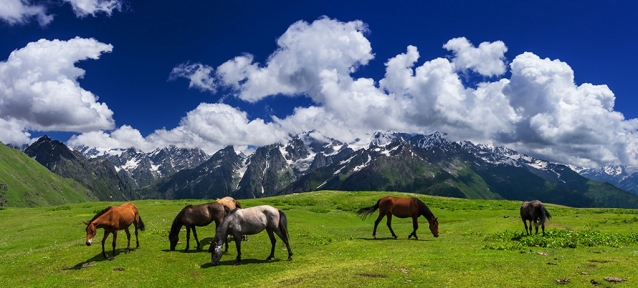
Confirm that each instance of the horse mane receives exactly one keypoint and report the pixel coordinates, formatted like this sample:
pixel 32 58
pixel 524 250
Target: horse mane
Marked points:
pixel 177 222
pixel 237 204
pixel 424 210
pixel 100 213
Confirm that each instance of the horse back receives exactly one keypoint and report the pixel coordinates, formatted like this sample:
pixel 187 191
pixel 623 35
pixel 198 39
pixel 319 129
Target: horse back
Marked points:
pixel 398 206
pixel 531 210
pixel 255 219
pixel 122 216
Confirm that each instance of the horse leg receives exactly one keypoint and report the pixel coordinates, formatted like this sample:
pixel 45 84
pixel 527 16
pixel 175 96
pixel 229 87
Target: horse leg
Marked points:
pixel 525 223
pixel 106 234
pixel 284 238
pixel 128 237
pixel 238 245
pixel 114 241
pixel 376 223
pixel 535 225
pixel 390 226
pixel 188 238
pixel 543 226
pixel 415 225
pixel 196 239
pixel 273 240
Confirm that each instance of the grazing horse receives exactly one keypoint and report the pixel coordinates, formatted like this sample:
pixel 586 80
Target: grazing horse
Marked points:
pixel 251 221
pixel 196 215
pixel 232 204
pixel 534 212
pixel 112 219
pixel 402 208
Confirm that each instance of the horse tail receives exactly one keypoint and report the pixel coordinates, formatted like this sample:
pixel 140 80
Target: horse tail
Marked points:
pixel 364 212
pixel 138 218
pixel 546 213
pixel 141 223
pixel 283 224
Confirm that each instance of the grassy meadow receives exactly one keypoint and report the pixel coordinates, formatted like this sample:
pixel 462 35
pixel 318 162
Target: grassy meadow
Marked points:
pixel 481 245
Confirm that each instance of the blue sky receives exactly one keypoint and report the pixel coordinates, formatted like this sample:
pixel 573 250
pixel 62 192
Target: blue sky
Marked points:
pixel 551 79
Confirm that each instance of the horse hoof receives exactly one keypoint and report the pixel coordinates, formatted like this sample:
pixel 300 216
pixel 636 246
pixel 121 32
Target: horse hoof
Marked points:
pixel 128 251
pixel 236 264
pixel 269 258
pixel 289 258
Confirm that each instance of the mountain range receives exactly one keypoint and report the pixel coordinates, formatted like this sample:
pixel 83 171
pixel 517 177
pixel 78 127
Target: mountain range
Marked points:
pixel 387 161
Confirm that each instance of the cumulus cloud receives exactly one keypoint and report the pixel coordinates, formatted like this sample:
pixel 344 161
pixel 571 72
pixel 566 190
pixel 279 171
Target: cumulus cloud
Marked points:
pixel 39 88
pixel 22 11
pixel 210 127
pixel 305 51
pixel 83 8
pixel 488 59
pixel 199 75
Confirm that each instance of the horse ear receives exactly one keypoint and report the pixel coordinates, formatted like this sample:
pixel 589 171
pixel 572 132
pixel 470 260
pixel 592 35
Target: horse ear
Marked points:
pixel 85 223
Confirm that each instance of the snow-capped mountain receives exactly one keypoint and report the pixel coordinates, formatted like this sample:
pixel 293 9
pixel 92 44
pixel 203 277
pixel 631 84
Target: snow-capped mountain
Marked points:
pixel 623 177
pixel 145 168
pixel 389 161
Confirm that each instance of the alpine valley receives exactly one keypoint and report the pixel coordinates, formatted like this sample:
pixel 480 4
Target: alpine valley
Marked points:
pixel 387 161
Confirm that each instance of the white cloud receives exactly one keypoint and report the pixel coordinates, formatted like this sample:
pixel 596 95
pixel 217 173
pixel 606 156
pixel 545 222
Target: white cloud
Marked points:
pixel 83 8
pixel 304 52
pixel 12 132
pixel 487 59
pixel 21 11
pixel 39 88
pixel 199 75
pixel 210 127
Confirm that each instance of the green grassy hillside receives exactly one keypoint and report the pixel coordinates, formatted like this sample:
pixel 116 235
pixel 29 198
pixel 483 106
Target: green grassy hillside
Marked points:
pixel 26 183
pixel 481 245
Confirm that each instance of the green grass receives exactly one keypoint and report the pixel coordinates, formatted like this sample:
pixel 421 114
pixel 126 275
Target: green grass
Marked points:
pixel 481 245
pixel 26 183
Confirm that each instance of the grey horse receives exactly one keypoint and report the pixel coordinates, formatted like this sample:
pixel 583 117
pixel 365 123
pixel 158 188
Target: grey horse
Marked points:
pixel 247 222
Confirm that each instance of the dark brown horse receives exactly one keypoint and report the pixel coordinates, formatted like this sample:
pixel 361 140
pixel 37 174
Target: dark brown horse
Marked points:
pixel 534 212
pixel 402 208
pixel 196 215
pixel 112 219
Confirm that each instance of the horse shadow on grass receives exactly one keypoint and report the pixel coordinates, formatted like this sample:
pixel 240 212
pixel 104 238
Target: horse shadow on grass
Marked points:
pixel 392 238
pixel 98 258
pixel 231 262
pixel 205 244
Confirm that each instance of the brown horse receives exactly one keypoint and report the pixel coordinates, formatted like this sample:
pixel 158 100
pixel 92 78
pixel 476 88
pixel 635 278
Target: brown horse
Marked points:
pixel 402 208
pixel 534 212
pixel 112 219
pixel 229 202
pixel 196 215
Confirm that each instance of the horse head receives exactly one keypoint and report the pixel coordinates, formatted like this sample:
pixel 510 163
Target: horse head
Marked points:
pixel 173 238
pixel 216 253
pixel 434 226
pixel 90 232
